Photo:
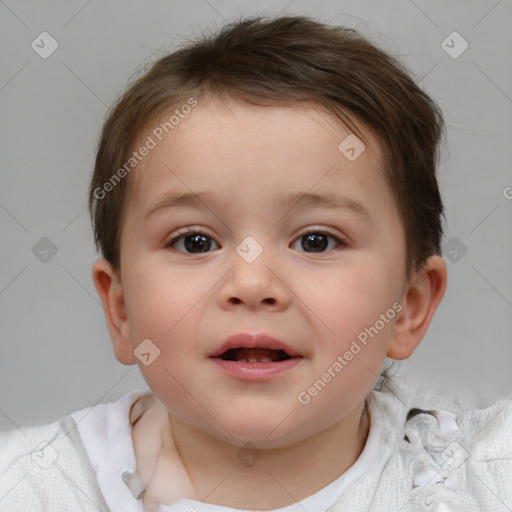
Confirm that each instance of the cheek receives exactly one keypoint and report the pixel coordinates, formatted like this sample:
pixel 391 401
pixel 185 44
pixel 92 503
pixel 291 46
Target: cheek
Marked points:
pixel 348 311
pixel 350 299
pixel 157 303
pixel 170 322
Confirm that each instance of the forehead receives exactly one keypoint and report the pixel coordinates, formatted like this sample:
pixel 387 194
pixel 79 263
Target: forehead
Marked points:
pixel 230 141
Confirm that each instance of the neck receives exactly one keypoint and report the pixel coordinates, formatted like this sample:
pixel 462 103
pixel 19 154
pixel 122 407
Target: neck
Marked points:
pixel 224 475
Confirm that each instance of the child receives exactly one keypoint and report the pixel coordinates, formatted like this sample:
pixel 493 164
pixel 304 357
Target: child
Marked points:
pixel 217 176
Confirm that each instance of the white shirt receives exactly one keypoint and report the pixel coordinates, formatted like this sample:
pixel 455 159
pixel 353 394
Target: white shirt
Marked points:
pixel 106 433
pixel 417 458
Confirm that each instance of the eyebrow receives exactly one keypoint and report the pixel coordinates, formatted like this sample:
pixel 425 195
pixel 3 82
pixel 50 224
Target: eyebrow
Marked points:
pixel 180 199
pixel 303 200
pixel 285 201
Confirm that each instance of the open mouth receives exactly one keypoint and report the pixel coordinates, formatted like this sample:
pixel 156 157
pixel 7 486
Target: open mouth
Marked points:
pixel 254 355
pixel 245 356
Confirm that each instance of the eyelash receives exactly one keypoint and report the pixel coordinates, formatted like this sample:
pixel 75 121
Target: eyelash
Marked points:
pixel 182 233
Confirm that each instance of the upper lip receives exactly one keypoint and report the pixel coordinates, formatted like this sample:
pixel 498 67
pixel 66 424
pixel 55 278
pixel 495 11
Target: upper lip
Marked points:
pixel 250 340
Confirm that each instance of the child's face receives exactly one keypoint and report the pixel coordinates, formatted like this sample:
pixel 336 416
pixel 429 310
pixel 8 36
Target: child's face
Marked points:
pixel 314 294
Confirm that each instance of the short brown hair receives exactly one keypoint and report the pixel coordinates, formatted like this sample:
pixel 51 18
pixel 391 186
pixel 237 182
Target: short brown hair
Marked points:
pixel 285 61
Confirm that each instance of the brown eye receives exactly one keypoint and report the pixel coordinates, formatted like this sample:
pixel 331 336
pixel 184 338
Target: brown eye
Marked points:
pixel 315 241
pixel 192 243
pixel 318 241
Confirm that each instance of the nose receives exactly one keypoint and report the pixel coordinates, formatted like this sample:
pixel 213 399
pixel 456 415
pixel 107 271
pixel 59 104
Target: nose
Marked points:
pixel 254 284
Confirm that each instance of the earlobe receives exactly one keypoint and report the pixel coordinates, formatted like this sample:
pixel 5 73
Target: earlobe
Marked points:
pixel 109 287
pixel 419 305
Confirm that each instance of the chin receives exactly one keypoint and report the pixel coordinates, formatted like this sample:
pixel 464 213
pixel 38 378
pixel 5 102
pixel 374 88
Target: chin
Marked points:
pixel 262 429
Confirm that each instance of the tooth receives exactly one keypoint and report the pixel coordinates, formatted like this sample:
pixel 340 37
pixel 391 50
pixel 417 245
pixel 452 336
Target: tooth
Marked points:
pixel 255 360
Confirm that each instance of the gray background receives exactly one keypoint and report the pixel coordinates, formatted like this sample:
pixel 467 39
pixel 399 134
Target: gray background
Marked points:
pixel 56 353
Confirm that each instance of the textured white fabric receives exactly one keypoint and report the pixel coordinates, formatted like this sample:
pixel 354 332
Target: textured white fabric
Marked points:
pixel 57 477
pixel 437 460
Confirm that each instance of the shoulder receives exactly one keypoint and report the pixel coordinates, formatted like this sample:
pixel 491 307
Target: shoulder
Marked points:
pixel 437 453
pixel 453 454
pixel 47 467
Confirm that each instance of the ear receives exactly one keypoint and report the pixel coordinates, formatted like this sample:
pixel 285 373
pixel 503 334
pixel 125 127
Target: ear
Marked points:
pixel 109 287
pixel 419 302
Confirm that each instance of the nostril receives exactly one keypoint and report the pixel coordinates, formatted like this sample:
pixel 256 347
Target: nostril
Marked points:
pixel 236 300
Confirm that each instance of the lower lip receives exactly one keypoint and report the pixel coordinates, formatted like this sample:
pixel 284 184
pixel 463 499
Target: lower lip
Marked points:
pixel 255 371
